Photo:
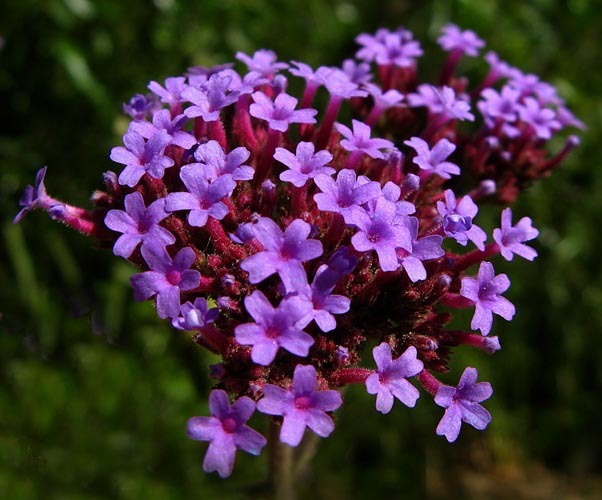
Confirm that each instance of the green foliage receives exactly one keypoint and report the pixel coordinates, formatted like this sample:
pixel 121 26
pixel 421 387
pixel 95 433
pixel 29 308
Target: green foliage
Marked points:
pixel 95 390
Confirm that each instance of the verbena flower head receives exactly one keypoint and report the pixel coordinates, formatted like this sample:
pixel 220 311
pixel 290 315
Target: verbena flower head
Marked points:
pixel 291 240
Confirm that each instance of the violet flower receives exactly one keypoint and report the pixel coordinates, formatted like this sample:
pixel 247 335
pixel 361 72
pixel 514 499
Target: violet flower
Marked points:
pixel 542 120
pixel 359 73
pixel 433 160
pixel 34 197
pixel 339 84
pixel 323 304
pixel 457 220
pixel 389 48
pixel 217 163
pixel 284 252
pixel 441 101
pixel 485 292
pixel 202 198
pixel 263 62
pixel 195 316
pixel 344 195
pixel 226 431
pixel 140 106
pixel 210 99
pixel 381 234
pixel 274 328
pixel 138 224
pixel 140 157
pixel 390 379
pixel 281 112
pixel 462 405
pixel 304 164
pixel 301 406
pixel 162 121
pixel 426 248
pixel 359 140
pixel 502 105
pixel 510 238
pixel 166 278
pixel 465 41
pixel 172 92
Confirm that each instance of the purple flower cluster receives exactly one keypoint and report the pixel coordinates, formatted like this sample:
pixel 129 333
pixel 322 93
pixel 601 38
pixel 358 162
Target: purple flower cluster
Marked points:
pixel 290 240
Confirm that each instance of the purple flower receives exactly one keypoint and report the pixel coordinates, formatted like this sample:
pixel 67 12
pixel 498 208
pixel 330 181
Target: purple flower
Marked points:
pixel 274 328
pixel 345 195
pixel 304 164
pixel 433 160
pixel 467 42
pixel 301 406
pixel 138 224
pixel 338 83
pixel 226 431
pixel 195 316
pixel 392 193
pixel 140 157
pixel 510 238
pixel 457 220
pixel 202 198
pixel 428 247
pixel 502 105
pixel 283 253
pixel 172 92
pixel 462 405
pixel 263 62
pixel 322 304
pixel 359 140
pixel 280 113
pixel 357 73
pixel 141 106
pixel 305 71
pixel 214 95
pixel 34 197
pixel 217 163
pixel 443 102
pixel 542 120
pixel 485 291
pixel 162 121
pixel 389 380
pixel 384 100
pixel 388 48
pixel 381 234
pixel 497 68
pixel 166 278
pixel 529 84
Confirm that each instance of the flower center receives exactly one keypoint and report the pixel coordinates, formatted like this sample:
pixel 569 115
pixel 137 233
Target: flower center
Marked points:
pixel 174 277
pixel 272 332
pixel 303 402
pixel 229 425
pixel 457 224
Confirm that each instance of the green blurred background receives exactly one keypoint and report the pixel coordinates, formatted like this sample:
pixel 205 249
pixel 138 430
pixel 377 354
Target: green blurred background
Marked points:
pixel 95 390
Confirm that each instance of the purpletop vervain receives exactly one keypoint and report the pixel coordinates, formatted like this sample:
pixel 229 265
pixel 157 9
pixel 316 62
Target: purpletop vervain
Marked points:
pixel 290 251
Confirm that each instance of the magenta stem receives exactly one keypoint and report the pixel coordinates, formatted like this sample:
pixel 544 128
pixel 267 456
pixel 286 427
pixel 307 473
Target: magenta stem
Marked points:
pixel 429 382
pixel 332 111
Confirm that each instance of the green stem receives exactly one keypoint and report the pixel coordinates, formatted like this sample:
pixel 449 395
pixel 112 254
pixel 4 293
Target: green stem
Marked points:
pixel 281 466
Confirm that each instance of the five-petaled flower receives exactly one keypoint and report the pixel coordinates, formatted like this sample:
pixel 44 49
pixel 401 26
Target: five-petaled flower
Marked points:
pixel 485 292
pixel 461 404
pixel 390 380
pixel 226 431
pixel 303 405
